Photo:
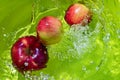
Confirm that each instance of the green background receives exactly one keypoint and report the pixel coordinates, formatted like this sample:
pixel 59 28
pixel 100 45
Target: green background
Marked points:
pixel 92 54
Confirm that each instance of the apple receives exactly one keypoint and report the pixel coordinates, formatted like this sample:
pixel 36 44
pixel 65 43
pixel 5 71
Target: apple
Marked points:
pixel 49 30
pixel 28 54
pixel 77 14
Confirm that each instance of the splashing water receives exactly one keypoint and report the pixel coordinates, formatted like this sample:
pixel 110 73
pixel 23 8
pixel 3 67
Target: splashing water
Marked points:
pixel 41 76
pixel 81 54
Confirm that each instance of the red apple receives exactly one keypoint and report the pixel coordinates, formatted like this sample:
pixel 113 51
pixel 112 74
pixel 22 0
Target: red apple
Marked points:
pixel 29 54
pixel 49 30
pixel 77 14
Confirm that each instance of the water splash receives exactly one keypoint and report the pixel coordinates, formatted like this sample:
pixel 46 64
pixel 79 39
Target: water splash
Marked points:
pixel 41 76
pixel 106 38
pixel 74 43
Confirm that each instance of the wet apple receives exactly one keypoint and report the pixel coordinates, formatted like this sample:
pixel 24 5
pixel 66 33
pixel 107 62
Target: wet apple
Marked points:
pixel 77 14
pixel 29 54
pixel 49 30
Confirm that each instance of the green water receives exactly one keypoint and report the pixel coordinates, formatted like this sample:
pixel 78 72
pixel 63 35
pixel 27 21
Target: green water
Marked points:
pixel 87 53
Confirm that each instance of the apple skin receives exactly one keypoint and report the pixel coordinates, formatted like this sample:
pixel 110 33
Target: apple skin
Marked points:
pixel 49 30
pixel 77 14
pixel 28 54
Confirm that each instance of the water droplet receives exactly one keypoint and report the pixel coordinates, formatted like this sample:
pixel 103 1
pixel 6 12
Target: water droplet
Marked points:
pixel 26 63
pixel 104 53
pixel 84 68
pixel 44 76
pixel 91 62
pixel 97 68
pixel 118 37
pixel 27 75
pixel 118 32
pixel 13 71
pixel 106 37
pixel 4 35
pixel 95 10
